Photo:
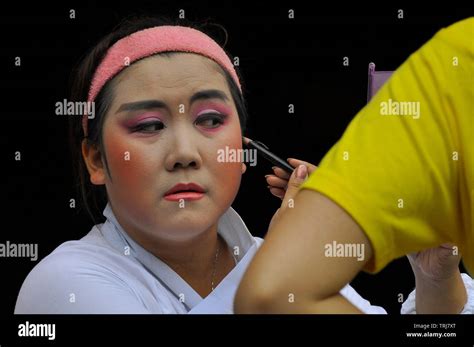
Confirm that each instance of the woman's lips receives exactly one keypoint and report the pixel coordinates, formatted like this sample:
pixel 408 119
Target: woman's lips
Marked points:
pixel 183 191
pixel 184 196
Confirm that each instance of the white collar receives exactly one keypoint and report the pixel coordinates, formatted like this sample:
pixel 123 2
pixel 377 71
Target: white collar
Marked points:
pixel 230 226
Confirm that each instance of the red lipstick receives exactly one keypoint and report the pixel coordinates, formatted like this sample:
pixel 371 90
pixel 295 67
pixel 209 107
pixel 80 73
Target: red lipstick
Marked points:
pixel 185 191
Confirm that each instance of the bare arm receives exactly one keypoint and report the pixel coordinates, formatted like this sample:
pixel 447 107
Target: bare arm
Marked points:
pixel 292 272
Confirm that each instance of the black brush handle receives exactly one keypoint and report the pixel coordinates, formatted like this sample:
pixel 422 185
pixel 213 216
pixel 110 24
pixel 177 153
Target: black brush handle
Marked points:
pixel 263 150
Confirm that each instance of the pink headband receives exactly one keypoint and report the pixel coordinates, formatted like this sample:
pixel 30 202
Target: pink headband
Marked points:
pixel 145 43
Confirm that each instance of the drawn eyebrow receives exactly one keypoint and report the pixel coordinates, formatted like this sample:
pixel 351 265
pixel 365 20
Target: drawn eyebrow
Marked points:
pixel 151 104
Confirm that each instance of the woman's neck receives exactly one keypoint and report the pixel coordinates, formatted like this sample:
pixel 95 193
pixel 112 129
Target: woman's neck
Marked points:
pixel 205 267
pixel 202 261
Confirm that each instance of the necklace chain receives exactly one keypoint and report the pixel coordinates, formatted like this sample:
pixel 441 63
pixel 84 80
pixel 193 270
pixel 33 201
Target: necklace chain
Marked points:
pixel 215 265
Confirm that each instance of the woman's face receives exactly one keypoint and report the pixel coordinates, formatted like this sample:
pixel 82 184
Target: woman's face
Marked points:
pixel 169 117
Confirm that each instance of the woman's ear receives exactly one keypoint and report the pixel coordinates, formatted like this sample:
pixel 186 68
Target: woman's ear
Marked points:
pixel 244 168
pixel 93 160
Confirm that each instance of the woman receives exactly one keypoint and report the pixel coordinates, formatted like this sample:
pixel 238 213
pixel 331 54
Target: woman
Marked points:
pixel 167 99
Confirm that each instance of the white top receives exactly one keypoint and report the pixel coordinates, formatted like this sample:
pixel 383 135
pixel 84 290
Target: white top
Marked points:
pixel 106 272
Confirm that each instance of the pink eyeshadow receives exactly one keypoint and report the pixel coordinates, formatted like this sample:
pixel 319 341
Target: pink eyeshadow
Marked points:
pixel 220 108
pixel 141 118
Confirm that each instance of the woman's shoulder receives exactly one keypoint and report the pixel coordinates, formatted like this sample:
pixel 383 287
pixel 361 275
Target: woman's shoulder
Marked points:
pixel 75 269
pixel 92 249
pixel 92 253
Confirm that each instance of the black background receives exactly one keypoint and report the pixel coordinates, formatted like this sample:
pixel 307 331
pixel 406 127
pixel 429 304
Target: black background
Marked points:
pixel 283 61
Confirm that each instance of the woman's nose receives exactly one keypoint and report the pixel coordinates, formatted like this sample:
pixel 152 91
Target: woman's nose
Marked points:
pixel 184 153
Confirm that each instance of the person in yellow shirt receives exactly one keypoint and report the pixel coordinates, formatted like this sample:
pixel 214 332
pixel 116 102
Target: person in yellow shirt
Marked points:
pixel 399 181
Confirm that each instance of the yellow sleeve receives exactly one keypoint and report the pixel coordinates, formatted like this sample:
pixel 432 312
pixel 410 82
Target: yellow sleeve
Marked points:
pixel 403 168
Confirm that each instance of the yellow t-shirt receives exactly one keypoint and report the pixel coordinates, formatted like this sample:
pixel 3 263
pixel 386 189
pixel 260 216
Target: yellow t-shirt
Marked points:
pixel 404 168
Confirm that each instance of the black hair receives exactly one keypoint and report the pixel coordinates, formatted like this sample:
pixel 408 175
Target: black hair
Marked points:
pixel 93 198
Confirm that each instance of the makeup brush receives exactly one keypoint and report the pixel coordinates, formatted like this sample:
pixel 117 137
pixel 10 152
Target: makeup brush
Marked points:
pixel 263 150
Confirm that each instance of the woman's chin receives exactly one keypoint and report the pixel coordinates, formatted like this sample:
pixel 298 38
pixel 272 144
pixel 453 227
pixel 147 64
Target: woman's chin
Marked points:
pixel 185 231
pixel 187 224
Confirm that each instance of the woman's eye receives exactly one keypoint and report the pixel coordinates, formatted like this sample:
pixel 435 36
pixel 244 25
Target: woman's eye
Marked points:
pixel 211 120
pixel 149 127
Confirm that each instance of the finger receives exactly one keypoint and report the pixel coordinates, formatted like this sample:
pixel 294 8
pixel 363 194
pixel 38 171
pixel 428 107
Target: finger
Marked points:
pixel 276 182
pixel 448 250
pixel 449 246
pixel 296 162
pixel 297 178
pixel 279 172
pixel 279 193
